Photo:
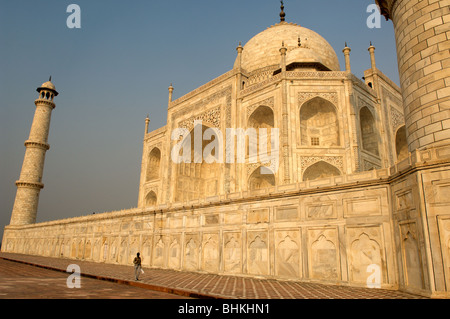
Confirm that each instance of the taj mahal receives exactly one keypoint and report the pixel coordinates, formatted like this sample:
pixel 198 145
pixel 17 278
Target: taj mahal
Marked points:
pixel 351 185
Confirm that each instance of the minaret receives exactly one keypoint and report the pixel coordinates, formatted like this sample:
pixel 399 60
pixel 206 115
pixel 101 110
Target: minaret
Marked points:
pixel 30 183
pixel 372 57
pixel 147 122
pixel 238 66
pixel 347 51
pixel 170 93
pixel 423 68
pixel 239 50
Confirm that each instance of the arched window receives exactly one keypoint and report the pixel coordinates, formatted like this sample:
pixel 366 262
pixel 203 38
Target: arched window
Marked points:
pixel 319 125
pixel 320 170
pixel 368 131
pixel 261 178
pixel 401 146
pixel 154 161
pixel 150 199
pixel 261 118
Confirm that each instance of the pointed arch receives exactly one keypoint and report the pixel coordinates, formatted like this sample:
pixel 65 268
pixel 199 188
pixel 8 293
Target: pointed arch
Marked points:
pixel 197 178
pixel 369 132
pixel 151 199
pixel 262 117
pixel 153 164
pixel 320 169
pixel 401 145
pixel 319 124
pixel 261 178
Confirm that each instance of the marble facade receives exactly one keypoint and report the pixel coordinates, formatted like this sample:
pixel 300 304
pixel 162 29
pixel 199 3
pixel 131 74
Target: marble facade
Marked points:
pixel 353 201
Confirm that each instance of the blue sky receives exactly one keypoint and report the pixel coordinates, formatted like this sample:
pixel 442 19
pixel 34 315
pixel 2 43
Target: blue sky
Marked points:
pixel 116 69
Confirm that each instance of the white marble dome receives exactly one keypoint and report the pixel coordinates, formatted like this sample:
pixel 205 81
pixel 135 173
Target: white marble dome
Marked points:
pixel 263 50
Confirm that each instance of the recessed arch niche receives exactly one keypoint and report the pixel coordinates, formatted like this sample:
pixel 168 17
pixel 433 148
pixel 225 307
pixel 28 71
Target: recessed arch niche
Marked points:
pixel 369 133
pixel 151 199
pixel 320 169
pixel 319 124
pixel 261 118
pixel 261 178
pixel 154 161
pixel 401 145
pixel 196 180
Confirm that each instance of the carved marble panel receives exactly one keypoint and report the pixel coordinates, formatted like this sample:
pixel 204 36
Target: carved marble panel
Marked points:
pixel 287 253
pixel 321 210
pixel 210 252
pixel 232 252
pixel 211 117
pixel 158 252
pixel 404 200
pixel 365 248
pixel 258 253
pixel 323 254
pixel 307 161
pixel 256 216
pixel 191 250
pixel 305 96
pixel 444 231
pixel 267 102
pixel 146 250
pixel 411 256
pixel 174 260
pixel 230 218
pixel 287 213
pixel 133 249
pixel 366 206
pixel 211 219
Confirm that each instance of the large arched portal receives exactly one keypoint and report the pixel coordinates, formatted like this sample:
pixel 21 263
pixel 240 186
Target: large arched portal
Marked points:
pixel 197 176
pixel 319 125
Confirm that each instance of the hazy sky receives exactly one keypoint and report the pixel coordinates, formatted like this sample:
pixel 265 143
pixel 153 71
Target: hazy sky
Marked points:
pixel 116 69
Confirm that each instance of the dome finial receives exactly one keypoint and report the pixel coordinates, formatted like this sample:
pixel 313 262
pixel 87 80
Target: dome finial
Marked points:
pixel 282 14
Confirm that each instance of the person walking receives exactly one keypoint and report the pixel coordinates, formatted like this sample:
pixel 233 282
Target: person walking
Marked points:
pixel 137 266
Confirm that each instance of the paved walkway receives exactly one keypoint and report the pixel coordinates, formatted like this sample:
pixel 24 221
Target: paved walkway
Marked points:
pixel 177 284
pixel 22 281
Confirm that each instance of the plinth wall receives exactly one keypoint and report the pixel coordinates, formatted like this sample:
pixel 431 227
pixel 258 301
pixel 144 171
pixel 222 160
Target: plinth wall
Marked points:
pixel 331 230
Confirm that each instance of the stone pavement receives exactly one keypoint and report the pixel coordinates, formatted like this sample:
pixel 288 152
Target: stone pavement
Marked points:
pixel 23 281
pixel 176 284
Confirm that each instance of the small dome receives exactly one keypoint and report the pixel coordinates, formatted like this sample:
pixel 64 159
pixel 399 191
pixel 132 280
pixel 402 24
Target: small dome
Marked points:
pixel 48 85
pixel 263 50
